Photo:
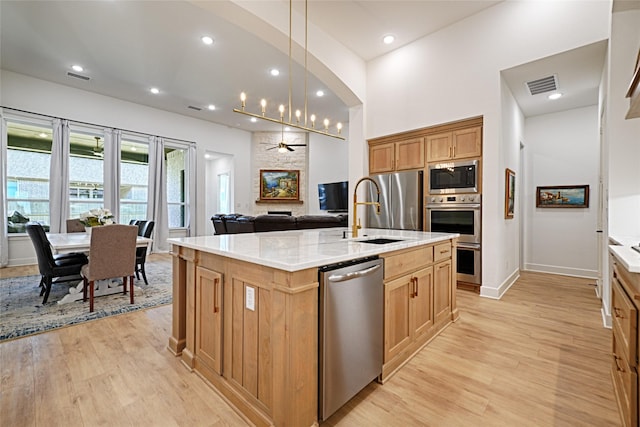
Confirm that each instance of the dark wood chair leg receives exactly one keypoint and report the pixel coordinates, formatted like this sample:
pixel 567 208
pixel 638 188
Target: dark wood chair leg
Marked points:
pixel 144 275
pixel 131 289
pixel 47 284
pixel 91 289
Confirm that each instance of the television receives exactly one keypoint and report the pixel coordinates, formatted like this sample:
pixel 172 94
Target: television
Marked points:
pixel 334 196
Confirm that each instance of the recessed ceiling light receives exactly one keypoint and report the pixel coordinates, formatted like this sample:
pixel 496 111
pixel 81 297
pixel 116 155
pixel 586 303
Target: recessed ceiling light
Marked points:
pixel 206 40
pixel 207 156
pixel 388 39
pixel 77 68
pixel 211 107
pixel 287 129
pixel 154 90
pixel 274 72
pixel 555 95
pixel 253 120
pixel 320 93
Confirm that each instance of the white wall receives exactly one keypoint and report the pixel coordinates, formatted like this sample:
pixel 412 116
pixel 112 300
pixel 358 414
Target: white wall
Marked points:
pixel 508 239
pixel 455 74
pixel 623 135
pixel 328 162
pixel 562 149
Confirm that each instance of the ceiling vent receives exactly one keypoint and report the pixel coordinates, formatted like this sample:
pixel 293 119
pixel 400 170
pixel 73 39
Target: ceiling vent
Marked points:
pixel 543 85
pixel 77 76
pixel 194 108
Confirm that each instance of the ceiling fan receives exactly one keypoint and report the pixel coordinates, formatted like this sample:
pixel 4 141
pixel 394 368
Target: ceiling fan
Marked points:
pixel 98 150
pixel 283 146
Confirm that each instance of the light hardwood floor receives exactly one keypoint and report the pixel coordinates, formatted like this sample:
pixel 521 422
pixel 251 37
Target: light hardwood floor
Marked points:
pixel 538 357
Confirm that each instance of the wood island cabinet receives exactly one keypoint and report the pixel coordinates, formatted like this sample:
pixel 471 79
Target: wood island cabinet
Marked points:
pixel 396 156
pixel 457 144
pixel 208 342
pixel 251 330
pixel 419 301
pixel 625 305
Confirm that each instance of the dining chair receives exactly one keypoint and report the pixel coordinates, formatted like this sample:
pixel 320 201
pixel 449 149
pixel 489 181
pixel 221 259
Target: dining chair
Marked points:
pixel 63 267
pixel 75 226
pixel 145 228
pixel 112 254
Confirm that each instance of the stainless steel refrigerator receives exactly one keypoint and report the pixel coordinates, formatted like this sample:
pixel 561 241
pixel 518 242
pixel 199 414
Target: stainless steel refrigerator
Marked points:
pixel 401 201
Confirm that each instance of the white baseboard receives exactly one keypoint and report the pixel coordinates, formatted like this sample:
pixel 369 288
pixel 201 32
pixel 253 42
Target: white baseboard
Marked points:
pixel 564 271
pixel 497 293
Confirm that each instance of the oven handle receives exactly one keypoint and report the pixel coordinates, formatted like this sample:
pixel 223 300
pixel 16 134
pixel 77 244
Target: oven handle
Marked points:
pixel 454 206
pixel 471 246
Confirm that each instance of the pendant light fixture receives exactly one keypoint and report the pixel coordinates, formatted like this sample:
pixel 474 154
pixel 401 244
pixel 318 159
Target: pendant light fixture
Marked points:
pixel 302 122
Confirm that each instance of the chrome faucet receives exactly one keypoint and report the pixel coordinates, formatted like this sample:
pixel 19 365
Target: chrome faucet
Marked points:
pixel 356 222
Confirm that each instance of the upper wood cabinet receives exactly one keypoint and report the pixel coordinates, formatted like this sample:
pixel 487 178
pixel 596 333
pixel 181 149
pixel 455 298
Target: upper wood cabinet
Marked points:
pixel 457 144
pixel 396 156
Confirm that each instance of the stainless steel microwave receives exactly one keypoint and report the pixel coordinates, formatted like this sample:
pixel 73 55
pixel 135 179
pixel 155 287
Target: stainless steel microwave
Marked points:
pixel 454 177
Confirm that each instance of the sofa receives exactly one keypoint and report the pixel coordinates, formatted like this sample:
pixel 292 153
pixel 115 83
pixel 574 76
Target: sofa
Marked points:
pixel 238 223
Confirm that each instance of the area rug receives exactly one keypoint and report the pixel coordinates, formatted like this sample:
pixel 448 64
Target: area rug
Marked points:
pixel 22 312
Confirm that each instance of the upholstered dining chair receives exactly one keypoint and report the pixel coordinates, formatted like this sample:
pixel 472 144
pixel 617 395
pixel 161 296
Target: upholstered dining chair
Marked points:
pixel 145 228
pixel 112 253
pixel 63 267
pixel 75 226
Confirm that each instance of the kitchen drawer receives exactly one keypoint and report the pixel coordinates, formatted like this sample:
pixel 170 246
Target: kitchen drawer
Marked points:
pixel 625 385
pixel 441 251
pixel 407 261
pixel 625 316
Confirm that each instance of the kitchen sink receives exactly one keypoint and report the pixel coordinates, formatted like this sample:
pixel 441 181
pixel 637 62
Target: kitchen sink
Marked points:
pixel 380 240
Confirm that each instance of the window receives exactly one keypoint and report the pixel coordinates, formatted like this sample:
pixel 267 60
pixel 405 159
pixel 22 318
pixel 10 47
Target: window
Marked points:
pixel 28 165
pixel 134 179
pixel 176 164
pixel 86 177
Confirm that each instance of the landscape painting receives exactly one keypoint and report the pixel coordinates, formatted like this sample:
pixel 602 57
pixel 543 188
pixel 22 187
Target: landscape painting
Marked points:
pixel 279 185
pixel 562 196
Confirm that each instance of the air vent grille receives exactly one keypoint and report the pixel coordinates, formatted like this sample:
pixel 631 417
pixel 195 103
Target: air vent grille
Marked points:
pixel 543 85
pixel 194 108
pixel 77 76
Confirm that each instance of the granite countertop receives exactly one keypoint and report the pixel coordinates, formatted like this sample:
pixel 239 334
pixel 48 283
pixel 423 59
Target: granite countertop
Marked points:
pixel 622 251
pixel 300 249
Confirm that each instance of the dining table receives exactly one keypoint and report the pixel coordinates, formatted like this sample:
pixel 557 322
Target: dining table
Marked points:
pixel 81 242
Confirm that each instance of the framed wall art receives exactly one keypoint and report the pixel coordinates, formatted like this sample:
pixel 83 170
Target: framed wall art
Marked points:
pixel 509 193
pixel 279 185
pixel 562 196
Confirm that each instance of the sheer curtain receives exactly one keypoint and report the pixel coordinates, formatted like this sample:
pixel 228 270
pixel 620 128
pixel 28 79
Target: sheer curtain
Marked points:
pixel 4 237
pixel 59 177
pixel 112 144
pixel 157 197
pixel 191 212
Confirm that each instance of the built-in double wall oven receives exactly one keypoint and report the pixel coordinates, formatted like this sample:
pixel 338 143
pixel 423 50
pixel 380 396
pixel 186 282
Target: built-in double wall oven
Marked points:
pixel 459 213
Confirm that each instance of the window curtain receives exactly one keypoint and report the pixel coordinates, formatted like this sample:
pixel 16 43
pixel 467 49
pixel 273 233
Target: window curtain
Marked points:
pixel 191 185
pixel 59 177
pixel 4 236
pixel 157 197
pixel 112 144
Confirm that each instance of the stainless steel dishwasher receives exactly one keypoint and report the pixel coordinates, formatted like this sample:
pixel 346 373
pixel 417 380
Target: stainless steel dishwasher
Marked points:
pixel 351 334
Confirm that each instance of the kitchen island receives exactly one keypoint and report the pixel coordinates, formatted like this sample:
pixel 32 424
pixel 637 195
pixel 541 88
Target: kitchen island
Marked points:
pixel 245 310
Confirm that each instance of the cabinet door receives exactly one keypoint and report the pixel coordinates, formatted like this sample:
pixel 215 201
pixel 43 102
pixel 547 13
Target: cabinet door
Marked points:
pixel 397 316
pixel 439 147
pixel 209 318
pixel 467 143
pixel 410 154
pixel 381 158
pixel 442 291
pixel 422 301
